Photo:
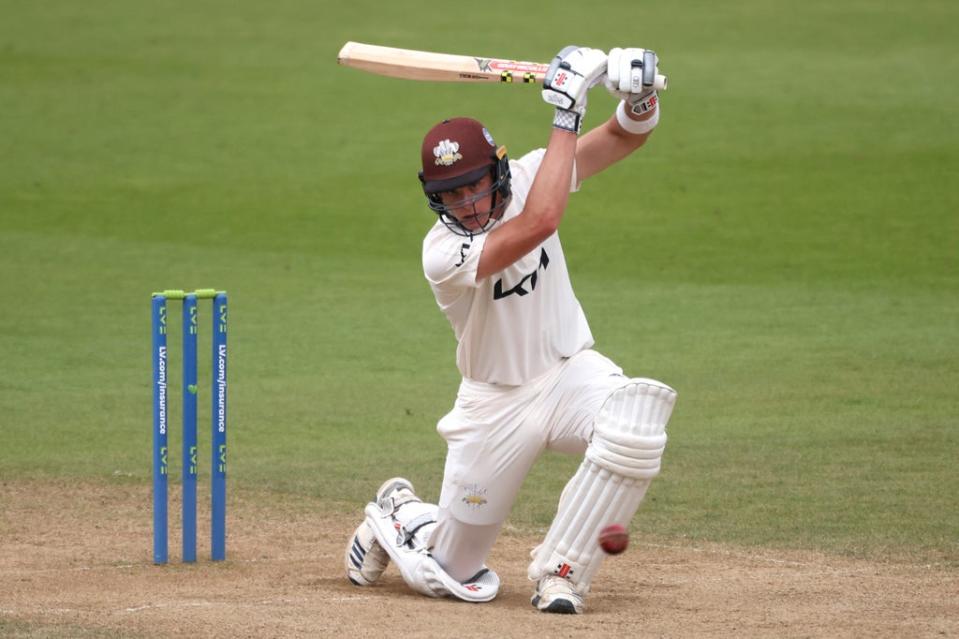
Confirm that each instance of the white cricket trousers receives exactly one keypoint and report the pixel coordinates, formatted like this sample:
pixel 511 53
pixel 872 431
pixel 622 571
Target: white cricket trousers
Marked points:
pixel 494 434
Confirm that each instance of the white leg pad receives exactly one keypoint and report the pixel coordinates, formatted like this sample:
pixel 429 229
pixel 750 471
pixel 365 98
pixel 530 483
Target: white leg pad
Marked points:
pixel 622 458
pixel 404 534
pixel 365 559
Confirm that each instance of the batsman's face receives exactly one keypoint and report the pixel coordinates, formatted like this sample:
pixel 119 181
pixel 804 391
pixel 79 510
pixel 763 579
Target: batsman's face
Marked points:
pixel 471 204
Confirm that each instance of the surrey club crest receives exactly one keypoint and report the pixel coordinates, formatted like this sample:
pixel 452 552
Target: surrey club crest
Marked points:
pixel 447 152
pixel 475 496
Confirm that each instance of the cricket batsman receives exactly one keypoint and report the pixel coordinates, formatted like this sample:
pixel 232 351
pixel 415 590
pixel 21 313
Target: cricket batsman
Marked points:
pixel 531 380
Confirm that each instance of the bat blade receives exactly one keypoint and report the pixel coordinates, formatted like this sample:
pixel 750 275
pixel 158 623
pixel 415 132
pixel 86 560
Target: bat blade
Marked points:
pixel 410 64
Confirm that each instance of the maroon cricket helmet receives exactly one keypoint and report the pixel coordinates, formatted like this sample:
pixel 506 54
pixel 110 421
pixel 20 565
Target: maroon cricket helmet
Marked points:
pixel 457 152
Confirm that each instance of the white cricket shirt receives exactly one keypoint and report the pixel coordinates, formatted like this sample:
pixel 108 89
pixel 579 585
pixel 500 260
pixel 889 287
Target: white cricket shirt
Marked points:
pixel 516 324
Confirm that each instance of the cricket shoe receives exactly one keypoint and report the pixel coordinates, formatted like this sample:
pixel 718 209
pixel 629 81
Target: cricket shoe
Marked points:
pixel 557 594
pixel 365 559
pixel 394 493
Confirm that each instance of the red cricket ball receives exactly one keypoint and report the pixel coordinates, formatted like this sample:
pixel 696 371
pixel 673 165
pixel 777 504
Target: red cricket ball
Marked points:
pixel 613 539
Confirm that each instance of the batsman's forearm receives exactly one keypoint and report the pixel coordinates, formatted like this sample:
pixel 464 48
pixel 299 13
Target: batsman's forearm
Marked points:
pixel 549 193
pixel 603 146
pixel 542 212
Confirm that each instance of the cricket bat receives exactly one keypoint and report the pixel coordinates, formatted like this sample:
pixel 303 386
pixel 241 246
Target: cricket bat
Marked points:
pixel 409 64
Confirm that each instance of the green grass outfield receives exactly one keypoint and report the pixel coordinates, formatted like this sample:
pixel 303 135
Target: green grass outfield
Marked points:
pixel 783 252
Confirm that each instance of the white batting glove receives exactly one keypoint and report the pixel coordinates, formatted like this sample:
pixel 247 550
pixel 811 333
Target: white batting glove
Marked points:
pixel 573 72
pixel 630 76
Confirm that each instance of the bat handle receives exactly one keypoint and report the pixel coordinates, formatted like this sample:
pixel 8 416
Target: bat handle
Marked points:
pixel 660 82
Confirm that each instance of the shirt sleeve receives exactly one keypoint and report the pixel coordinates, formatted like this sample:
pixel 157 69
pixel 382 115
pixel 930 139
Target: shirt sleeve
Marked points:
pixel 450 263
pixel 529 166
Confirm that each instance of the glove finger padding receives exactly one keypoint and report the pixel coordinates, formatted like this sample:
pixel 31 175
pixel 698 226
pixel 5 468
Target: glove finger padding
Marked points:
pixel 612 71
pixel 627 70
pixel 591 64
pixel 632 65
pixel 571 74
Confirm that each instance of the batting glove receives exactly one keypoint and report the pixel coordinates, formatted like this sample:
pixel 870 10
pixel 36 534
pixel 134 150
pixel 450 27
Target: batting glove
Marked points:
pixel 630 76
pixel 573 72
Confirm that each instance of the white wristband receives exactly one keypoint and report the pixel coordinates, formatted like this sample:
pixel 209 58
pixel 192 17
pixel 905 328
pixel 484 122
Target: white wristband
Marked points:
pixel 636 127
